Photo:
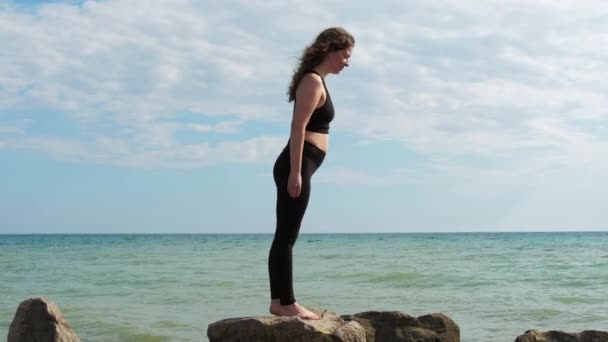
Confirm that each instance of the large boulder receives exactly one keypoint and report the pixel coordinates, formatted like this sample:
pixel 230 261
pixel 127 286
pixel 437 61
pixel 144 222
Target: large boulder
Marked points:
pixel 395 326
pixel 373 326
pixel 560 336
pixel 39 320
pixel 330 328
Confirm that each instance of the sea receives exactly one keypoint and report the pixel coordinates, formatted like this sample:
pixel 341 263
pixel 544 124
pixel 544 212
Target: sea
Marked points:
pixel 153 288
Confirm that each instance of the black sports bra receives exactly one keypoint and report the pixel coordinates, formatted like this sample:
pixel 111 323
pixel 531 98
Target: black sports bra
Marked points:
pixel 322 116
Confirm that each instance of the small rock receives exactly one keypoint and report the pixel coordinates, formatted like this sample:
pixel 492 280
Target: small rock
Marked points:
pixel 560 336
pixel 395 326
pixel 40 320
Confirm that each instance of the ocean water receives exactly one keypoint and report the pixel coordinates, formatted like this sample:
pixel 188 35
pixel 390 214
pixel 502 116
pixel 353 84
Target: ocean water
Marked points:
pixel 170 287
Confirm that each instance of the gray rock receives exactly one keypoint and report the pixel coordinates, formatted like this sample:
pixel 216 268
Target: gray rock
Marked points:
pixel 39 320
pixel 560 336
pixel 367 326
pixel 394 326
pixel 330 328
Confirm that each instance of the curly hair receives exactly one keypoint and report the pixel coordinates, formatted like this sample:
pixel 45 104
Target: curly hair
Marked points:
pixel 329 40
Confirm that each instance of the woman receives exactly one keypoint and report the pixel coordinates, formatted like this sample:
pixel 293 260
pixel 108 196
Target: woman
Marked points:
pixel 304 153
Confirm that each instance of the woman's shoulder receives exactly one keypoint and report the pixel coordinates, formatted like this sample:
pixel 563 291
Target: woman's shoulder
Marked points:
pixel 311 85
pixel 311 78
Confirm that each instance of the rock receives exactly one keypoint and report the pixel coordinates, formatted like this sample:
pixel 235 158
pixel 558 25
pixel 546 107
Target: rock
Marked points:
pixel 394 326
pixel 370 326
pixel 39 320
pixel 330 328
pixel 560 336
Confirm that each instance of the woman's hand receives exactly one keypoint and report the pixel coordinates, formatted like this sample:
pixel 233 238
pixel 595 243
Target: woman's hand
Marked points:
pixel 294 184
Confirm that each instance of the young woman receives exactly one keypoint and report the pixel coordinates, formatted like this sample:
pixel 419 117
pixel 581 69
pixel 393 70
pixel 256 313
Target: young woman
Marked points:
pixel 304 153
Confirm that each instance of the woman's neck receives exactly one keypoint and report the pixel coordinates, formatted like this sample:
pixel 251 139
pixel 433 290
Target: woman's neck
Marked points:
pixel 322 69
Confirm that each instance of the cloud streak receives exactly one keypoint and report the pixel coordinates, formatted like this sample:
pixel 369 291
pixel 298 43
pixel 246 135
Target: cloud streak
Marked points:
pixel 504 82
pixel 500 81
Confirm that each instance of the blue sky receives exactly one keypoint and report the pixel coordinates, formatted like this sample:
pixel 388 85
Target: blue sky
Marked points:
pixel 166 116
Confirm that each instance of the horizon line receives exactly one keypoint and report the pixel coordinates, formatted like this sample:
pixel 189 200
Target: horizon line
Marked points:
pixel 323 233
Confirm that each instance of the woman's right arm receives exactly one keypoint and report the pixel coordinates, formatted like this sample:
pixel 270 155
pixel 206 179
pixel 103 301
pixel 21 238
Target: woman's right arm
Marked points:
pixel 308 95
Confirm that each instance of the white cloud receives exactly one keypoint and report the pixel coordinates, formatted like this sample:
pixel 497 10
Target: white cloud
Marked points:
pixel 155 153
pixel 222 127
pixel 10 130
pixel 136 65
pixel 514 81
pixel 507 82
pixel 393 177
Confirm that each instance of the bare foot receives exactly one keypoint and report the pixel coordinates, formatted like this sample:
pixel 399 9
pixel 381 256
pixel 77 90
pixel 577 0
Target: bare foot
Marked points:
pixel 294 309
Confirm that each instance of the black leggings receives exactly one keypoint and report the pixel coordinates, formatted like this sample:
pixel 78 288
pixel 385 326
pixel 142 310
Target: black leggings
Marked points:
pixel 290 212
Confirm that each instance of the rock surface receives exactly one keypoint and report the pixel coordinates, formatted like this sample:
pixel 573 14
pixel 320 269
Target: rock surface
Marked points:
pixel 560 336
pixel 395 326
pixel 39 320
pixel 330 328
pixel 373 326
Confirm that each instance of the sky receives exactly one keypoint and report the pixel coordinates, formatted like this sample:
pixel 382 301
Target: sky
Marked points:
pixel 161 116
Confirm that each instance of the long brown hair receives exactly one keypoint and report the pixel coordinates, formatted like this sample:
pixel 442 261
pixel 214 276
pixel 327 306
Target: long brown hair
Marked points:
pixel 329 40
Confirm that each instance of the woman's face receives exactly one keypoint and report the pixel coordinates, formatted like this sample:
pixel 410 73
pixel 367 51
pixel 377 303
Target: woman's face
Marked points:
pixel 339 59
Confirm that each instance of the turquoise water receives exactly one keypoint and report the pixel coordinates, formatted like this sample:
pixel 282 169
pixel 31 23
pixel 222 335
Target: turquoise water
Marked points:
pixel 170 287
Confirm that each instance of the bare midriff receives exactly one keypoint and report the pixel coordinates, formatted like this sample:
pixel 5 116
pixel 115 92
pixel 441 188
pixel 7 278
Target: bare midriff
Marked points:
pixel 320 140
